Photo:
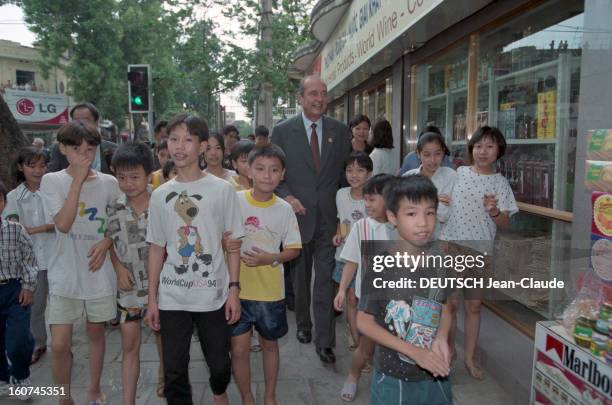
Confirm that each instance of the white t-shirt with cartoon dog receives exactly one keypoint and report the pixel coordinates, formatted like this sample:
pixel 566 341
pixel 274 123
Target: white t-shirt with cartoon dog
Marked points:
pixel 189 219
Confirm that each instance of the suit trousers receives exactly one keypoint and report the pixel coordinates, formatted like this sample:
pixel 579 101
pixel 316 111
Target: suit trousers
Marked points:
pixel 319 250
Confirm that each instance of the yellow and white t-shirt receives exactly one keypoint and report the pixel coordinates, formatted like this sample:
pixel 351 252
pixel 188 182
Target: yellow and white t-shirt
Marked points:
pixel 266 225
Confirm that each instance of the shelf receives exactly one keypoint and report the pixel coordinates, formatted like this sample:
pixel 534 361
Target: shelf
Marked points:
pixel 545 65
pixel 564 216
pixel 517 142
pixel 440 96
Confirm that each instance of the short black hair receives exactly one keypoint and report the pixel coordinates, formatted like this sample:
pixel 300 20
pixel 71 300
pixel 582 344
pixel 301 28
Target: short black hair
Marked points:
pixel 92 109
pixel 362 160
pixel 427 137
pixel 160 125
pixel 3 191
pixel 74 133
pixel 196 126
pixel 241 148
pixel 382 135
pixel 358 119
pixel 230 128
pixel 376 184
pixel 26 156
pixel 262 130
pixel 163 144
pixel 130 155
pixel 168 167
pixel 270 151
pixel 414 188
pixel 488 132
pixel 430 128
pixel 219 139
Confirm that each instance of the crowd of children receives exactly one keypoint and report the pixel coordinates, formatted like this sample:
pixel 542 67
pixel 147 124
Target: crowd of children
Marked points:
pixel 180 249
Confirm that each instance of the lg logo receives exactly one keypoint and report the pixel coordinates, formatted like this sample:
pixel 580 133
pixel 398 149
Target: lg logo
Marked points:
pixel 25 106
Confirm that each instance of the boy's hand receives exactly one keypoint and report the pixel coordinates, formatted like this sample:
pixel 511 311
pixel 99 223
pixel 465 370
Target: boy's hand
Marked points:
pixel 125 279
pixel 25 297
pixel 490 202
pixel 431 361
pixel 337 240
pixel 257 257
pixel 444 199
pixel 152 316
pixel 230 245
pixel 97 254
pixel 440 347
pixel 80 168
pixel 232 306
pixel 297 206
pixel 339 300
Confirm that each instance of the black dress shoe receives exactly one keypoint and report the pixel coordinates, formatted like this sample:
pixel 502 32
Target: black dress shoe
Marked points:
pixel 304 336
pixel 290 305
pixel 326 355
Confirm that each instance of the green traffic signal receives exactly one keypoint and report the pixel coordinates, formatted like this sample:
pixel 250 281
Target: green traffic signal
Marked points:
pixel 138 100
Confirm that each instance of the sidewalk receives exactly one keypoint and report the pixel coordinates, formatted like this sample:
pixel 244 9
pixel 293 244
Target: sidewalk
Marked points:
pixel 302 379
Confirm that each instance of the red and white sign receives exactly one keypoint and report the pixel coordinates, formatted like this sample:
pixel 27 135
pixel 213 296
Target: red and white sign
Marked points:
pixel 34 107
pixel 564 373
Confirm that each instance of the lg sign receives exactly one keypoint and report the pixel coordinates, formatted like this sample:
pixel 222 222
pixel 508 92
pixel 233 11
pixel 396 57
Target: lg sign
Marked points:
pixel 25 106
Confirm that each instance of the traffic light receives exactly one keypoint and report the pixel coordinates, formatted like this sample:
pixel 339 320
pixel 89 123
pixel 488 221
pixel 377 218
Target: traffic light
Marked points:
pixel 139 78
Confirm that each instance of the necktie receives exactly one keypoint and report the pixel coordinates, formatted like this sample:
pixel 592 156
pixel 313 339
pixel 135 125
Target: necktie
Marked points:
pixel 314 147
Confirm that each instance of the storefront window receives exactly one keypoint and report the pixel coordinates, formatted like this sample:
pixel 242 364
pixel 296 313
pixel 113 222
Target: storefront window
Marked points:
pixel 376 103
pixel 441 88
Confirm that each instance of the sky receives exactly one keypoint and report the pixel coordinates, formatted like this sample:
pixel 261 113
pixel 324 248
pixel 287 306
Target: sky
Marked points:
pixel 13 28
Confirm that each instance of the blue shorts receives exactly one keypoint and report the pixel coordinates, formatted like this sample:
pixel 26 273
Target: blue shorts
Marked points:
pixel 268 317
pixel 386 390
pixel 337 275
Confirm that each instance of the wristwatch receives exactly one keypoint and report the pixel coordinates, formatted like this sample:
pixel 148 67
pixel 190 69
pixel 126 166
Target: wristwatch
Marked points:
pixel 276 261
pixel 234 284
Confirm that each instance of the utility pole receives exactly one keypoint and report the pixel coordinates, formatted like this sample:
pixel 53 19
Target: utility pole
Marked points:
pixel 263 115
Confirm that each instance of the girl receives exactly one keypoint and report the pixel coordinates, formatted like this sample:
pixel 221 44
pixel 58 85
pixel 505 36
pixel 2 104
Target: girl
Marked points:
pixel 431 151
pixel 360 129
pixel 24 205
pixel 382 142
pixel 214 155
pixel 482 202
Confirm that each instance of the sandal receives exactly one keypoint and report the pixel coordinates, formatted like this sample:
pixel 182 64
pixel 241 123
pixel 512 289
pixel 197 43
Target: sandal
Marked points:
pixel 38 353
pixel 474 371
pixel 349 389
pixel 160 390
pixel 99 401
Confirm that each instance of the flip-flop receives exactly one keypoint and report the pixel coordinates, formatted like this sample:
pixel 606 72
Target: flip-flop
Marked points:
pixel 160 389
pixel 349 389
pixel 99 401
pixel 474 371
pixel 38 353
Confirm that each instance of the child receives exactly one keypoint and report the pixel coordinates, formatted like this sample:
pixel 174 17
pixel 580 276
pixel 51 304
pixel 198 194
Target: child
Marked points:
pixel 81 275
pixel 268 222
pixel 240 163
pixel 24 205
pixel 407 373
pixel 17 283
pixel 187 218
pixel 431 151
pixel 351 208
pixel 261 135
pixel 157 178
pixel 214 155
pixel 374 227
pixel 482 201
pixel 127 227
pixel 169 170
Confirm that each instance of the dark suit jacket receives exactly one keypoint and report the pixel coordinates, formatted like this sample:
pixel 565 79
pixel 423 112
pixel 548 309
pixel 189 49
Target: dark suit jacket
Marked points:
pixel 316 191
pixel 59 162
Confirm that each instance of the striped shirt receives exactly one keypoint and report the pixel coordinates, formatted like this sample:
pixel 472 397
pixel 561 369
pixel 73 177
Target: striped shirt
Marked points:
pixel 17 259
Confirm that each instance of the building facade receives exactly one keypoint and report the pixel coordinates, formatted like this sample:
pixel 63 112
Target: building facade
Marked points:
pixel 538 70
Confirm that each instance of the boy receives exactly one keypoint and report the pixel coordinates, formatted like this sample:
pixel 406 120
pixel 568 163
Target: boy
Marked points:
pixel 18 272
pixel 127 228
pixel 268 222
pixel 405 372
pixel 81 275
pixel 239 156
pixel 157 178
pixel 374 227
pixel 187 218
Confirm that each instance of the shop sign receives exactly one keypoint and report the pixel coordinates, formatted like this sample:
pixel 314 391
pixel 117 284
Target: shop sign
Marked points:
pixel 37 108
pixel 366 28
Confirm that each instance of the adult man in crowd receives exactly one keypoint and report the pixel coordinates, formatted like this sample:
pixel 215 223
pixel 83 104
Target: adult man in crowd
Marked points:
pixel 87 113
pixel 316 147
pixel 230 137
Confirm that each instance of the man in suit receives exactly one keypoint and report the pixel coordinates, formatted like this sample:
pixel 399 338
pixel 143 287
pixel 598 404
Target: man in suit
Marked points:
pixel 316 147
pixel 88 113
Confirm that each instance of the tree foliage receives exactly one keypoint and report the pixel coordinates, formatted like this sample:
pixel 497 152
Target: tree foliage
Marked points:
pixel 248 68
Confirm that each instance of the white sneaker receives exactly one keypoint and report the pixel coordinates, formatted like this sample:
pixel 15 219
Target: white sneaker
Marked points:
pixel 4 389
pixel 26 382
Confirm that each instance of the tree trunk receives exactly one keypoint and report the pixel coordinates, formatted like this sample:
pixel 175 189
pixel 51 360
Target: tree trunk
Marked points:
pixel 11 140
